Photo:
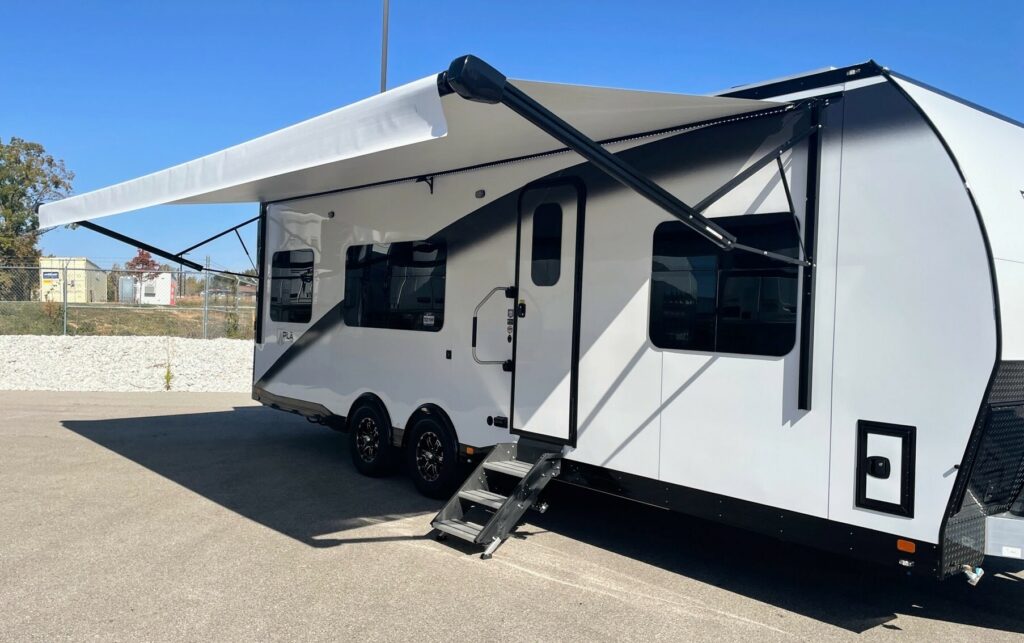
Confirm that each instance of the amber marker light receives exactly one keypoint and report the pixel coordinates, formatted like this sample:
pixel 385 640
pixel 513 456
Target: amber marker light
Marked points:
pixel 907 546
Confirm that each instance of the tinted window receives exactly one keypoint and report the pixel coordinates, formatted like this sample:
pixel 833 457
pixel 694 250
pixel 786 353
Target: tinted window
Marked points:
pixel 704 299
pixel 397 285
pixel 291 286
pixel 546 259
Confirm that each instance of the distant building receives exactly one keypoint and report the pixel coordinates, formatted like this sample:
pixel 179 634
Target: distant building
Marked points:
pixel 86 282
pixel 161 290
pixel 247 292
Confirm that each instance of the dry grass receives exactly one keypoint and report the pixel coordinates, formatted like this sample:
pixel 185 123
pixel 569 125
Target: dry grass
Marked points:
pixel 38 318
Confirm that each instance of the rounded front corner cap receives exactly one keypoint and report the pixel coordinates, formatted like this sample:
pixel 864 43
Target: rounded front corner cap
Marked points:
pixel 475 80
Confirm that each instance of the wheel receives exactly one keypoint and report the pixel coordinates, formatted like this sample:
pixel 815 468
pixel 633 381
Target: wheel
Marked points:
pixel 432 457
pixel 369 439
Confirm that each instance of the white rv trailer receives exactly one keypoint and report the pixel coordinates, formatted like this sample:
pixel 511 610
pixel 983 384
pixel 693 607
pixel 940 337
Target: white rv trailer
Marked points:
pixel 827 346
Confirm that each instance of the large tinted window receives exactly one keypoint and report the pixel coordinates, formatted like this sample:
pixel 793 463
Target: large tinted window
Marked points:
pixel 546 254
pixel 291 286
pixel 396 285
pixel 704 299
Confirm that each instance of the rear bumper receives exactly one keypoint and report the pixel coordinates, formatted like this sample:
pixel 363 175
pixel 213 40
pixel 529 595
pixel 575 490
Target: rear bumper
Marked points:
pixel 1004 536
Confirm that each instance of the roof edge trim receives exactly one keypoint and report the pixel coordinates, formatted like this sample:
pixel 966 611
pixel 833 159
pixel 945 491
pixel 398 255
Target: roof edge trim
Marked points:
pixel 807 82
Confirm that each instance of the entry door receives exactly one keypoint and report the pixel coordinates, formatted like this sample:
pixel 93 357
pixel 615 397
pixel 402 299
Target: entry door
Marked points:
pixel 546 313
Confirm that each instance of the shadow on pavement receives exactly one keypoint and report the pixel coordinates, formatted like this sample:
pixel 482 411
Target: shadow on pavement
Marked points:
pixel 268 466
pixel 846 593
pixel 297 479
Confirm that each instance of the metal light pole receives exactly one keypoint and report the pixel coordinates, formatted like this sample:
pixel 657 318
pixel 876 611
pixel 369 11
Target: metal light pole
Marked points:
pixel 384 51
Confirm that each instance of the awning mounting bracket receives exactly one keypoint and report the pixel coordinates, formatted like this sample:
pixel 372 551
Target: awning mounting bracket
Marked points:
pixel 429 180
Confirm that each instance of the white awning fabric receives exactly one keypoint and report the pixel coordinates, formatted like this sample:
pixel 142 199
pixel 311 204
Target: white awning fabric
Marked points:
pixel 406 132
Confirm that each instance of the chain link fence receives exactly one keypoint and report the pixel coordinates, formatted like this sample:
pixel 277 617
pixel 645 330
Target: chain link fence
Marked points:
pixel 73 297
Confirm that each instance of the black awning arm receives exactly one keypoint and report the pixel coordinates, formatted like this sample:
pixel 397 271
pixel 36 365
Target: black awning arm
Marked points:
pixel 253 263
pixel 221 234
pixel 176 258
pixel 755 167
pixel 140 245
pixel 475 80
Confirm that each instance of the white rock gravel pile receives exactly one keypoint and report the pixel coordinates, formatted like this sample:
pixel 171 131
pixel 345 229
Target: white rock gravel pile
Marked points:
pixel 29 362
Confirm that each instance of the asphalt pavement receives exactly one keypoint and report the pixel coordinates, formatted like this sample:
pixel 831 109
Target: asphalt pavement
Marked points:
pixel 170 516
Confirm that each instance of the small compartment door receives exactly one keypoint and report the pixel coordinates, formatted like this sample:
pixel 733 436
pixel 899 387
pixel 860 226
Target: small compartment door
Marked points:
pixel 885 467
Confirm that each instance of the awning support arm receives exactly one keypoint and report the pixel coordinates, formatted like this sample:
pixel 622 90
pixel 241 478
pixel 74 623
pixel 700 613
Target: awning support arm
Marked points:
pixel 219 235
pixel 141 245
pixel 475 80
pixel 754 168
pixel 253 263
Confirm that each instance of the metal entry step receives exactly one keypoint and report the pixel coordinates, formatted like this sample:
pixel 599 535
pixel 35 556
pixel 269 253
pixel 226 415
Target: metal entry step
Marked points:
pixel 485 498
pixel 476 496
pixel 514 468
pixel 459 528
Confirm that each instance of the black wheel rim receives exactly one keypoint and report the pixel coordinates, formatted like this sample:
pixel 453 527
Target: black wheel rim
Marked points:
pixel 429 456
pixel 367 439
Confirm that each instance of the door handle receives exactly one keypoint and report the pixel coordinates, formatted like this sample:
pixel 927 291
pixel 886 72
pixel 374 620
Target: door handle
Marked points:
pixel 521 309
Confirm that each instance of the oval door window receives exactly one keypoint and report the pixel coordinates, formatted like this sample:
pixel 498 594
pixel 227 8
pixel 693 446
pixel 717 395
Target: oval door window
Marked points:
pixel 546 253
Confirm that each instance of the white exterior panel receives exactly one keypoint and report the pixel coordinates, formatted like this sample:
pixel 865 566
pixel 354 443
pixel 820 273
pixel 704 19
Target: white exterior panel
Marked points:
pixel 915 335
pixel 730 423
pixel 990 152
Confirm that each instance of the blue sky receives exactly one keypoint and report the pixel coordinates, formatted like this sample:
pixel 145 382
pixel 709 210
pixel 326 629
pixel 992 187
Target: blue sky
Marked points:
pixel 120 89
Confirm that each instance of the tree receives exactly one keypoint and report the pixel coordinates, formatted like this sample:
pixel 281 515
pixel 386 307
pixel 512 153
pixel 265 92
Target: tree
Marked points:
pixel 113 277
pixel 143 264
pixel 143 268
pixel 28 176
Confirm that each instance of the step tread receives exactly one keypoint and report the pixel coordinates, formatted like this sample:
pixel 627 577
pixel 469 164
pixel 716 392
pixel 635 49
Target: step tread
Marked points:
pixel 463 529
pixel 482 497
pixel 515 468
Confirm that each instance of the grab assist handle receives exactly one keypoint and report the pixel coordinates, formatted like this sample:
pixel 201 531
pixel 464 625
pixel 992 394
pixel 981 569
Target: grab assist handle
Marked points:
pixel 509 292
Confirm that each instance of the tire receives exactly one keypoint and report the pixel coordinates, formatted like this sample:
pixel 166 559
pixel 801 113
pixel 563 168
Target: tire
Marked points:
pixel 369 440
pixel 432 456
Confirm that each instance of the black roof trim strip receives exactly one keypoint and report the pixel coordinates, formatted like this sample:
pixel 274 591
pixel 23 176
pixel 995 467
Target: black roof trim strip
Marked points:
pixel 809 82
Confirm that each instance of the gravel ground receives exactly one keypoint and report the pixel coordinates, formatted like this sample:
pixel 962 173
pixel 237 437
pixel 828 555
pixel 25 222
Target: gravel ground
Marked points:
pixel 34 363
